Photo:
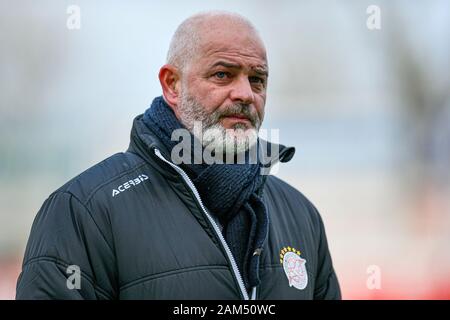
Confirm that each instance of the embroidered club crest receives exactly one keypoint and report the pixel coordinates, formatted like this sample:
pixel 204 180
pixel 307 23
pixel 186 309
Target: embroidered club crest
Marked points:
pixel 295 267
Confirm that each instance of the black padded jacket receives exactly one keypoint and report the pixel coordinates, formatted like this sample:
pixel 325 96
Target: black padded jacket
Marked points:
pixel 134 227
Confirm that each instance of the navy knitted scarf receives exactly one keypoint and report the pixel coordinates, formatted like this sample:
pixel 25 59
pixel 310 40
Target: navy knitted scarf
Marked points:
pixel 231 192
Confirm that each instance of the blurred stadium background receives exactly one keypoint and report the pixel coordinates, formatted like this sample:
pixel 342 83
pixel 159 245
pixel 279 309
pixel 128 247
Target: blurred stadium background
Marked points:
pixel 367 110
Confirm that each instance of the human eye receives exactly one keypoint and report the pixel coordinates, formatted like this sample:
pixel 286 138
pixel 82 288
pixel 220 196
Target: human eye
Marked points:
pixel 257 80
pixel 221 74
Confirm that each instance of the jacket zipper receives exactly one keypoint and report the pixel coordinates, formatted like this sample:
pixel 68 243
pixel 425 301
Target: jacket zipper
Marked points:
pixel 216 228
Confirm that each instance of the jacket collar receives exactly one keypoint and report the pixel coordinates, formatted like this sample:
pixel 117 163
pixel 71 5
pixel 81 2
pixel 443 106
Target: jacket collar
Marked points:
pixel 144 142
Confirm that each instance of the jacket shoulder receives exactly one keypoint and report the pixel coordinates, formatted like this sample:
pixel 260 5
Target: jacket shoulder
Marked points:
pixel 87 183
pixel 280 191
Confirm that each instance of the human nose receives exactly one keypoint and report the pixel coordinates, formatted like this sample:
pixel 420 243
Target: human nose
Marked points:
pixel 242 91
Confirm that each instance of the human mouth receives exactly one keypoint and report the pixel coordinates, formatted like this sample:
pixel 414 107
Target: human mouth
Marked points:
pixel 235 118
pixel 238 116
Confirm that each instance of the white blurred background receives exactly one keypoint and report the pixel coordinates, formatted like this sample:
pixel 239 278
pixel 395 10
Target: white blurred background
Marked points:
pixel 367 110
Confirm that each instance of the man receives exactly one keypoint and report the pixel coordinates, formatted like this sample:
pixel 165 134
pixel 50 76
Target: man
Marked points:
pixel 145 225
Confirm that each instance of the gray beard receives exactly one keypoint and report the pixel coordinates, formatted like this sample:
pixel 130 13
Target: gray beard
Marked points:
pixel 207 128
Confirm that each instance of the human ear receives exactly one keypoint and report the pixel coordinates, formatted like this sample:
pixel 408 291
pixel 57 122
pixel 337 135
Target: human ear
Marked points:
pixel 169 77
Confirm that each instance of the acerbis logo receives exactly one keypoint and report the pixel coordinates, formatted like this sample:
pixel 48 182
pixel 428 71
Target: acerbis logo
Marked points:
pixel 131 183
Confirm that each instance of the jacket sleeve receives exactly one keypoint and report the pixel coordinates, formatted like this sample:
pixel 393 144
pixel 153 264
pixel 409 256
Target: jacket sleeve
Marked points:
pixel 327 285
pixel 66 256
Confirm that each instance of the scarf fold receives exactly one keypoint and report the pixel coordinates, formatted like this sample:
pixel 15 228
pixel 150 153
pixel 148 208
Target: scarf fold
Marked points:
pixel 231 192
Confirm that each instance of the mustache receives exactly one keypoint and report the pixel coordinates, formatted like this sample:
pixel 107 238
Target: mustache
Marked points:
pixel 238 110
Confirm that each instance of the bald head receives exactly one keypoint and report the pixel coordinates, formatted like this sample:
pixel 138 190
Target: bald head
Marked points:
pixel 195 33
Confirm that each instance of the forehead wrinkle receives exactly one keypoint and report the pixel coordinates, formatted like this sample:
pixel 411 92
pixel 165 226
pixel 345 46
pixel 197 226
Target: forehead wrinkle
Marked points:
pixel 228 57
pixel 256 68
pixel 232 45
pixel 252 50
